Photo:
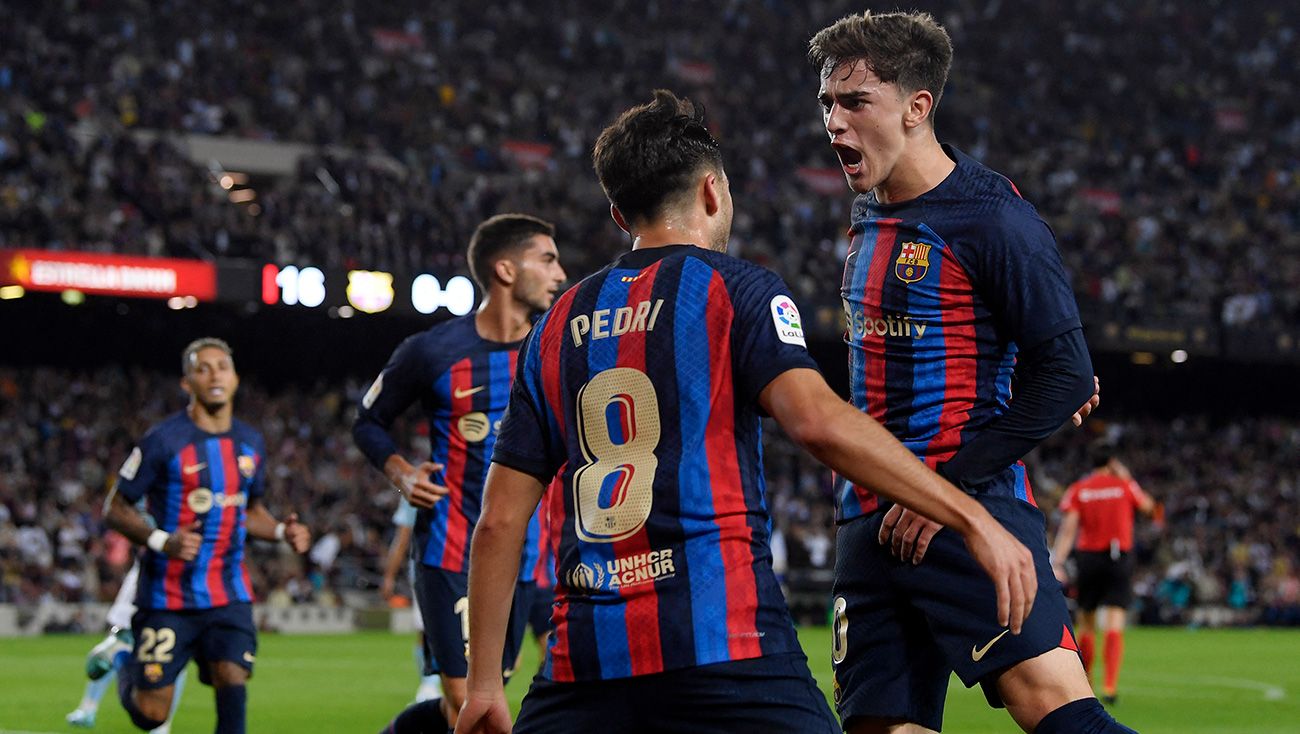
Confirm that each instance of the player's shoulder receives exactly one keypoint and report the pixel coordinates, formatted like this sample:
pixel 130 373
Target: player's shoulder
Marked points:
pixel 444 337
pixel 988 203
pixel 246 433
pixel 173 431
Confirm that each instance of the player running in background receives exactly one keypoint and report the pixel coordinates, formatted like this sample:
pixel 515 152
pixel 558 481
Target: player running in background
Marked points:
pixel 642 388
pixel 1097 524
pixel 399 557
pixel 952 283
pixel 201 474
pixel 460 371
pixel 99 663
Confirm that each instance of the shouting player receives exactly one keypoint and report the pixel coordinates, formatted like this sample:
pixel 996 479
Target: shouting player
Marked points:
pixel 201 474
pixel 460 371
pixel 1098 511
pixel 643 388
pixel 952 283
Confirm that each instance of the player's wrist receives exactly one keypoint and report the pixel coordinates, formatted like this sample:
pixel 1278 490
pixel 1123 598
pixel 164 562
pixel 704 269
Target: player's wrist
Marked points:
pixel 157 540
pixel 279 531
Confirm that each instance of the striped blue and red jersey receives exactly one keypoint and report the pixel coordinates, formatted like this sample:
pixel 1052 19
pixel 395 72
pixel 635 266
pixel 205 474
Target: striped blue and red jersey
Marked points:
pixel 462 382
pixel 186 475
pixel 639 389
pixel 940 293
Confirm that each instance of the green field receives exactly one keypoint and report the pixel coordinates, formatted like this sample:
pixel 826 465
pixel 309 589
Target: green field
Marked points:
pixel 1175 681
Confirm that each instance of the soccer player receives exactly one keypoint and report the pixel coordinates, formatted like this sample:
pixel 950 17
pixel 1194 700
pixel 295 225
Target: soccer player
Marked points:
pixel 460 371
pixel 201 473
pixel 99 663
pixel 642 388
pixel 398 557
pixel 952 284
pixel 1098 524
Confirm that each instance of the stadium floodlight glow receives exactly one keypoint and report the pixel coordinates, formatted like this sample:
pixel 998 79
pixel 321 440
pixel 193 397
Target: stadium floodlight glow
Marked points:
pixel 1178 356
pixel 346 312
pixel 175 303
pixel 1143 358
pixel 73 297
pixel 428 295
pixel 10 292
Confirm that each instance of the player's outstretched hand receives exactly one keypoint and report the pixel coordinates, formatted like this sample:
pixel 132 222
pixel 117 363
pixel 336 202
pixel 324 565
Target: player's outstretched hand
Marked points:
pixel 420 489
pixel 1011 566
pixel 1091 405
pixel 484 713
pixel 907 533
pixel 297 535
pixel 184 543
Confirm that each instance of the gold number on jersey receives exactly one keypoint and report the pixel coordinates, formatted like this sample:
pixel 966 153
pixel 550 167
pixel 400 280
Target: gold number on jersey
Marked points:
pixel 462 608
pixel 156 645
pixel 618 427
pixel 840 631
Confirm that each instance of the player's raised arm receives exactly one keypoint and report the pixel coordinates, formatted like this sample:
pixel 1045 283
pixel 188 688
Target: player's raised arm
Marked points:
pixel 859 448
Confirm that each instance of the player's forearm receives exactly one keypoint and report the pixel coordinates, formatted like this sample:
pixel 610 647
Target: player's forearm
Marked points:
pixel 397 553
pixel 372 438
pixel 1065 536
pixel 127 520
pixel 260 523
pixel 494 567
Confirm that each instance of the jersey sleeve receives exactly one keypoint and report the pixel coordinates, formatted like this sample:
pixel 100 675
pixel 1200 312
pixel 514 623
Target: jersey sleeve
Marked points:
pixel 1136 494
pixel 392 392
pixel 145 464
pixel 257 487
pixel 529 440
pixel 767 333
pixel 1017 269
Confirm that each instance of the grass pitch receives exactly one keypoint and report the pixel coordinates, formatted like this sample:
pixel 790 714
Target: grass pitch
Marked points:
pixel 1174 681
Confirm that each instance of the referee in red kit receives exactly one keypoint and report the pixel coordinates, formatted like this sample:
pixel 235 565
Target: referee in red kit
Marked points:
pixel 1098 526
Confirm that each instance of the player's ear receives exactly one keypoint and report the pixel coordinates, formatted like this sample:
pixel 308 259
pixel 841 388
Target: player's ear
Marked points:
pixel 919 106
pixel 711 193
pixel 618 219
pixel 185 386
pixel 504 269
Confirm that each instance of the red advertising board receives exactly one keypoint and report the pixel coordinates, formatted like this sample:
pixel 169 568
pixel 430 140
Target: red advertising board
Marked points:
pixel 110 275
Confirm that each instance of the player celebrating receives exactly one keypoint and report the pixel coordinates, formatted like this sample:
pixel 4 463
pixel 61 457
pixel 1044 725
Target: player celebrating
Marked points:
pixel 201 473
pixel 460 371
pixel 1098 511
pixel 642 388
pixel 952 282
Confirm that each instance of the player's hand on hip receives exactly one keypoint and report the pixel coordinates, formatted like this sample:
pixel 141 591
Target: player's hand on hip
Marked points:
pixel 184 543
pixel 1061 574
pixel 1091 405
pixel 484 714
pixel 297 535
pixel 907 533
pixel 1011 567
pixel 419 489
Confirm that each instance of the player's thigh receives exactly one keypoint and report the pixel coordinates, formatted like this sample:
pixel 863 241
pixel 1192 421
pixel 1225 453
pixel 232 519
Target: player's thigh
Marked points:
pixel 886 664
pixel 959 601
pixel 444 609
pixel 227 646
pixel 1033 688
pixel 577 708
pixel 165 641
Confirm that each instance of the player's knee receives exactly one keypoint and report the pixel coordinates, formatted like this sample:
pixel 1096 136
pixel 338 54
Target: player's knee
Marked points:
pixel 151 707
pixel 225 674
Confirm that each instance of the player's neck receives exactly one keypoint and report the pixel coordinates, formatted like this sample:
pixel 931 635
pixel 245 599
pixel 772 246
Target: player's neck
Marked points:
pixel 667 232
pixel 502 319
pixel 208 421
pixel 921 168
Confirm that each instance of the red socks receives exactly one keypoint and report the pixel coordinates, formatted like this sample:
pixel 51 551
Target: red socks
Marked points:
pixel 1087 648
pixel 1114 654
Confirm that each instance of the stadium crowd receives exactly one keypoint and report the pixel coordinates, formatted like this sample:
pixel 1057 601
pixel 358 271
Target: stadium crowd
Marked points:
pixel 1231 537
pixel 1160 139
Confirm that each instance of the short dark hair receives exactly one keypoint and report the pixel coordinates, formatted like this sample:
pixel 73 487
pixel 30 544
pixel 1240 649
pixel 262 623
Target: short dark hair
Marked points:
pixel 199 345
pixel 653 152
pixel 1101 454
pixel 498 236
pixel 910 50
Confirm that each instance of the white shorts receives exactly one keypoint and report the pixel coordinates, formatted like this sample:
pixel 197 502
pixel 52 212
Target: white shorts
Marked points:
pixel 119 615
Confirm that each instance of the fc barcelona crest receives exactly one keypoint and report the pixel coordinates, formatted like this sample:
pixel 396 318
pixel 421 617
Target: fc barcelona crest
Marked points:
pixel 247 466
pixel 913 262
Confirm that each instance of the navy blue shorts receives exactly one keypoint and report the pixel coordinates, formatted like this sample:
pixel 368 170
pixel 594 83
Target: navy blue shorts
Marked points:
pixel 775 693
pixel 539 611
pixel 166 641
pixel 901 630
pixel 443 598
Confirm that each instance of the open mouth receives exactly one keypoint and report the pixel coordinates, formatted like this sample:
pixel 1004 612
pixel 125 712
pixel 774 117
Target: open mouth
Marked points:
pixel 850 159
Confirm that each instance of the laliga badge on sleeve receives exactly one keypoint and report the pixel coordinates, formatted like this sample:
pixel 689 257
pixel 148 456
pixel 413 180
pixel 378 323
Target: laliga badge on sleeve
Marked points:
pixel 785 316
pixel 131 465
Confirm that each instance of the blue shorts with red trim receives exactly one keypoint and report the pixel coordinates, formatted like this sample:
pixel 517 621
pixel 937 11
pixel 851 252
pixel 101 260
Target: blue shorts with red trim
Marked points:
pixel 443 598
pixel 901 630
pixel 166 641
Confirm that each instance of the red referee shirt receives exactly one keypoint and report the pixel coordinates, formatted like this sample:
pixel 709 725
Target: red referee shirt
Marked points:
pixel 1105 504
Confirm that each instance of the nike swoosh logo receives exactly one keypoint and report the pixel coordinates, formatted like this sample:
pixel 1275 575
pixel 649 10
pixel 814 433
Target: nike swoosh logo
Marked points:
pixel 977 653
pixel 459 393
pixel 193 469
